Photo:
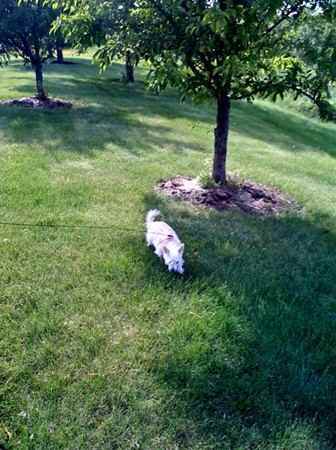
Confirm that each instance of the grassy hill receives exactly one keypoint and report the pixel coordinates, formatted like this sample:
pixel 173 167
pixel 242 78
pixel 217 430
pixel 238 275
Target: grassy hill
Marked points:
pixel 100 347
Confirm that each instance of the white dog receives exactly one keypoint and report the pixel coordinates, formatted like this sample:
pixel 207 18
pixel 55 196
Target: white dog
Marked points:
pixel 165 241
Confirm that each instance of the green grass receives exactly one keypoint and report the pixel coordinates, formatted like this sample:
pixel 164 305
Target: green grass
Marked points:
pixel 100 347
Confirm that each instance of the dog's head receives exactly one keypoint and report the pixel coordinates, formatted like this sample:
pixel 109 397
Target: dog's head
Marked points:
pixel 173 257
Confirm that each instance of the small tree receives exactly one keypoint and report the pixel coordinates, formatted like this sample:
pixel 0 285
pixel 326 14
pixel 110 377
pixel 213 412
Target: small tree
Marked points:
pixel 25 31
pixel 221 49
pixel 224 49
pixel 101 23
pixel 59 46
pixel 115 42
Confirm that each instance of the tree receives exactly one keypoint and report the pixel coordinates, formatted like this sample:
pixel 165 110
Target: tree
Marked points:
pixel 115 42
pixel 221 49
pixel 100 23
pixel 25 31
pixel 59 46
pixel 224 49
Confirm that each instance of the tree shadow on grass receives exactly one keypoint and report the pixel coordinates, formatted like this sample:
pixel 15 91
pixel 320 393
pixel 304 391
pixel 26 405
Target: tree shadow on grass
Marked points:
pixel 249 356
pixel 109 92
pixel 98 102
pixel 105 113
pixel 90 130
pixel 283 129
pixel 99 99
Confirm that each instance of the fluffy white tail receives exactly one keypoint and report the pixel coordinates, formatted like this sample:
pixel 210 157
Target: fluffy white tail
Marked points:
pixel 152 215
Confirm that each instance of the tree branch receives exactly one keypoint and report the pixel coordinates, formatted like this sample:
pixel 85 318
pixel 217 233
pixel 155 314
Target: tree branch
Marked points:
pixel 292 9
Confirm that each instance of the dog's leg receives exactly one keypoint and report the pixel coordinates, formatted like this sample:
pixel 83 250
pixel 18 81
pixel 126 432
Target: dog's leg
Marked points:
pixel 149 239
pixel 158 251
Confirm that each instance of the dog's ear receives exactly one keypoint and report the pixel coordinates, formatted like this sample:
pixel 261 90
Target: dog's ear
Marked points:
pixel 181 249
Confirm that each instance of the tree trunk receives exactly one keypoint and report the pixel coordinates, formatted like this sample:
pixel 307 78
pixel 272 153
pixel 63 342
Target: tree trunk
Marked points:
pixel 40 92
pixel 50 51
pixel 60 57
pixel 325 109
pixel 129 67
pixel 221 138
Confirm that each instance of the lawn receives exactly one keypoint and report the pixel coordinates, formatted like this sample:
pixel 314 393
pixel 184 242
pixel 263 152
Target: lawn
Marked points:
pixel 101 348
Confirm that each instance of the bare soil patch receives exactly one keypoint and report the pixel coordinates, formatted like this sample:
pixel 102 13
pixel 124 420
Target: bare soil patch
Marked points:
pixel 245 196
pixel 35 102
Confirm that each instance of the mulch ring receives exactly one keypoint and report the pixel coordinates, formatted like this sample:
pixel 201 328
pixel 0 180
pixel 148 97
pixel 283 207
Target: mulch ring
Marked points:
pixel 245 196
pixel 35 102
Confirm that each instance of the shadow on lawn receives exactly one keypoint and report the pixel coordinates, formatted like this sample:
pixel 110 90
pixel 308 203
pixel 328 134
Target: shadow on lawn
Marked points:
pixel 251 358
pixel 89 130
pixel 105 112
pixel 111 109
pixel 282 129
pixel 110 94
